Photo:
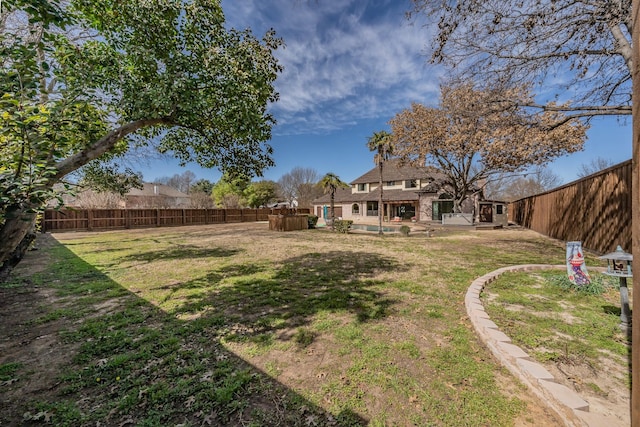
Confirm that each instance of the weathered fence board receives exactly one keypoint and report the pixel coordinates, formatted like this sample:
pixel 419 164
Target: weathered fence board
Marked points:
pixel 113 219
pixel 595 210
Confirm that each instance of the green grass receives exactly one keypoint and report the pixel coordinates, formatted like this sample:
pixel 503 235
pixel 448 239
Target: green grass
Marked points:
pixel 205 325
pixel 9 370
pixel 557 320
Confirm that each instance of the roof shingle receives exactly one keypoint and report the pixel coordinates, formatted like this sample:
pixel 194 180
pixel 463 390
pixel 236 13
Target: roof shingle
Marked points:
pixel 392 170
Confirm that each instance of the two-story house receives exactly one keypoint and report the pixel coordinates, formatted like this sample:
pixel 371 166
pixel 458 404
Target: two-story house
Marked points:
pixel 407 193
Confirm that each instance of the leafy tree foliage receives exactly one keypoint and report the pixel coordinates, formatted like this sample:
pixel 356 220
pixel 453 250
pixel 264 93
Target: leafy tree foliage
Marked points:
pixel 261 193
pixel 577 46
pixel 202 186
pixel 474 135
pixel 85 80
pixel 382 144
pixel 200 193
pixel 108 178
pixel 228 193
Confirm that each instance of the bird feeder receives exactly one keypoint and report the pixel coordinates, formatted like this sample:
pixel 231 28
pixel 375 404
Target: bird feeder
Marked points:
pixel 619 265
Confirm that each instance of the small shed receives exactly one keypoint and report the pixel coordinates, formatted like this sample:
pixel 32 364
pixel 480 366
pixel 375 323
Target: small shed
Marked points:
pixel 492 212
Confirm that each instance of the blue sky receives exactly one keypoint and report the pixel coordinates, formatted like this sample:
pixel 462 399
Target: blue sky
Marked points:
pixel 349 67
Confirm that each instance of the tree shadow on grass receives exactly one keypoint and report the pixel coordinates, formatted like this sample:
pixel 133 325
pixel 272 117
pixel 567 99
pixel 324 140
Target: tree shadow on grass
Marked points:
pixel 300 287
pixel 124 361
pixel 610 309
pixel 184 252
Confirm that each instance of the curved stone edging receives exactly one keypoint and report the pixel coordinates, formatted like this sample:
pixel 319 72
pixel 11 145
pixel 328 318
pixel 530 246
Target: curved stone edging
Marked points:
pixel 565 402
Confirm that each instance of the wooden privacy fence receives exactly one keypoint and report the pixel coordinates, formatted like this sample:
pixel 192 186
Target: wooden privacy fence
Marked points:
pixel 595 210
pixel 288 222
pixel 112 219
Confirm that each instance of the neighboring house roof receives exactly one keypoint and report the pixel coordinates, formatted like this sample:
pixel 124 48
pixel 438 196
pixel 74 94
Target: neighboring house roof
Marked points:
pixel 392 170
pixel 151 189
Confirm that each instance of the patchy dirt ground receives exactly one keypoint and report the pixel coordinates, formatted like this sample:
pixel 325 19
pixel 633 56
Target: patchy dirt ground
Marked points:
pixel 35 346
pixel 39 348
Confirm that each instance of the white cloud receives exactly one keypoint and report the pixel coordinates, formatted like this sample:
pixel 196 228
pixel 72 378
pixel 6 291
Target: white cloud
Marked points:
pixel 344 60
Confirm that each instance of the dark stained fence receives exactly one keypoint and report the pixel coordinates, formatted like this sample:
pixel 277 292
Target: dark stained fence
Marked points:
pixel 595 210
pixel 114 219
pixel 288 223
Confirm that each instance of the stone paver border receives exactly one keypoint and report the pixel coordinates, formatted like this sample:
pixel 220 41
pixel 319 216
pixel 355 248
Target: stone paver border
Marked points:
pixel 573 410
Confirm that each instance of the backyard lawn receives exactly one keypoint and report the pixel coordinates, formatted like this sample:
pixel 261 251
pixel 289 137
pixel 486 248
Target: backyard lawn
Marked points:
pixel 238 325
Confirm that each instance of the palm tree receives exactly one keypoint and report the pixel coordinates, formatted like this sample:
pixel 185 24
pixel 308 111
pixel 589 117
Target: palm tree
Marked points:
pixel 380 142
pixel 329 184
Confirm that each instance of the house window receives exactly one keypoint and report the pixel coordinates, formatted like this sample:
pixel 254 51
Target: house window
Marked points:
pixel 355 209
pixel 499 209
pixel 440 207
pixel 410 183
pixel 391 183
pixel 362 187
pixel 372 208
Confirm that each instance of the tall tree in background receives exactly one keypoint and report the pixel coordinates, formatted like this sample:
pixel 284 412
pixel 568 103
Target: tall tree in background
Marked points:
pixel 261 193
pixel 202 186
pixel 228 193
pixel 594 166
pixel 513 43
pixel 299 186
pixel 381 143
pixel 180 181
pixel 511 187
pixel 329 184
pixel 474 135
pixel 200 194
pixel 84 81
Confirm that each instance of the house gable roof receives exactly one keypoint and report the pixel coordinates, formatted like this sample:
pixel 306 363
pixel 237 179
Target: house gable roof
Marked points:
pixel 433 181
pixel 393 170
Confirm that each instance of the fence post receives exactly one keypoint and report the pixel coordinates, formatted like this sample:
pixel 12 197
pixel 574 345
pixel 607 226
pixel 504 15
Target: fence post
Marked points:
pixel 90 220
pixel 157 217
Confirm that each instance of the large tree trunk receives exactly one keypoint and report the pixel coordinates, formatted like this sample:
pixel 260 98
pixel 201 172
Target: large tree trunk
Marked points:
pixel 332 213
pixel 16 234
pixel 457 204
pixel 20 219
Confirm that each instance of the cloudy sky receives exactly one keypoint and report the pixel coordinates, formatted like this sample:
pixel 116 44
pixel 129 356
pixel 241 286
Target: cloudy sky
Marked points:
pixel 349 67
